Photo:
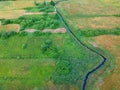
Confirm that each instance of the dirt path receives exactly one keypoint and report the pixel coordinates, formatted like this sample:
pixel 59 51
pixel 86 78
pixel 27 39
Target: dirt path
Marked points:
pixel 59 30
pixel 37 13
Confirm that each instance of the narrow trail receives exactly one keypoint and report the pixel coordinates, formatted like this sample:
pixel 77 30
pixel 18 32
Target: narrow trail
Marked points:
pixel 81 43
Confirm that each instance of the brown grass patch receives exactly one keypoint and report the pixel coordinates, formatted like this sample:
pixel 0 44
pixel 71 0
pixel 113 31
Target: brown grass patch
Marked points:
pixel 59 30
pixel 11 14
pixel 98 22
pixel 10 5
pixel 9 27
pixel 84 13
pixel 15 9
pixel 112 44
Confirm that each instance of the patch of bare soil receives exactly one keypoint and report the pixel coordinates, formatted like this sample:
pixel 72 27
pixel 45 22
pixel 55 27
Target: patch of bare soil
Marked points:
pixel 59 30
pixel 10 27
pixel 30 13
pixel 30 30
pixel 93 44
pixel 37 13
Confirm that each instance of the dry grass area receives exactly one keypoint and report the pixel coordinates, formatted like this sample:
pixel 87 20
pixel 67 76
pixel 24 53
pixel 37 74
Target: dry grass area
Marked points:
pixel 10 5
pixel 97 22
pixel 112 44
pixel 9 27
pixel 87 13
pixel 14 9
pixel 75 7
pixel 111 2
pixel 59 30
pixel 52 86
pixel 19 4
pixel 11 14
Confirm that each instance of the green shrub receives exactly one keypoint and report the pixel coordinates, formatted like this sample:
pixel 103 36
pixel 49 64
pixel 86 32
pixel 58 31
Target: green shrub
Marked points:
pixel 11 33
pixel 4 35
pixel 44 47
pixel 38 22
pixel 24 46
pixel 23 33
pixel 91 33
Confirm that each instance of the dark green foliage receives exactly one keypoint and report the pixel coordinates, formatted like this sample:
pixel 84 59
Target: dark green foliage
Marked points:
pixel 92 33
pixel 46 45
pixel 117 15
pixel 40 8
pixel 11 33
pixel 6 21
pixel 23 33
pixel 4 35
pixel 48 42
pixel 38 33
pixel 52 3
pixel 63 67
pixel 38 22
pixel 24 46
pixel 35 2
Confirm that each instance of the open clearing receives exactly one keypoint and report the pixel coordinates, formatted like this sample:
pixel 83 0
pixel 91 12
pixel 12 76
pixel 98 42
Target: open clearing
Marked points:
pixel 112 44
pixel 25 48
pixel 97 15
pixel 48 58
pixel 90 14
pixel 97 22
pixel 10 27
pixel 15 9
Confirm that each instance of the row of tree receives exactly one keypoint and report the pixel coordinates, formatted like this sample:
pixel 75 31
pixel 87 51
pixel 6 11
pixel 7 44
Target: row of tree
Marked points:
pixel 91 33
pixel 38 22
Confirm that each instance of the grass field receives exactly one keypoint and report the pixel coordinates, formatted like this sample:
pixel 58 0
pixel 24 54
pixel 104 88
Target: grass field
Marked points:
pixel 10 27
pixel 112 44
pixel 34 74
pixel 46 61
pixel 25 74
pixel 90 14
pixel 97 15
pixel 14 9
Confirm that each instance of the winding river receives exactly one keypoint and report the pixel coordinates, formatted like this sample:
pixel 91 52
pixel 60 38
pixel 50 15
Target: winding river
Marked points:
pixel 80 42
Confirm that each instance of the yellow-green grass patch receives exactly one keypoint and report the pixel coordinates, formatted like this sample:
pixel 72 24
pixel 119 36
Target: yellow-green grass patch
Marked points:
pixel 10 27
pixel 11 14
pixel 25 74
pixel 112 44
pixel 97 22
pixel 90 14
pixel 115 3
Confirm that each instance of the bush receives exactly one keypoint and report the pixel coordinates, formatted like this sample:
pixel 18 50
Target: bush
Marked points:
pixel 24 46
pixel 46 45
pixel 6 21
pixel 11 33
pixel 23 33
pixel 44 48
pixel 4 35
pixel 91 33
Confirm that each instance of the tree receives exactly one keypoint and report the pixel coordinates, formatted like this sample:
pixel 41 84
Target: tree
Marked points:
pixel 4 35
pixel 35 2
pixel 52 3
pixel 45 3
pixel 46 45
pixel 24 46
